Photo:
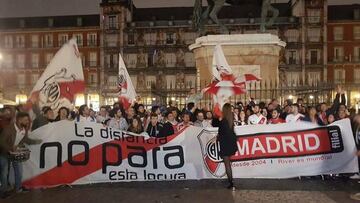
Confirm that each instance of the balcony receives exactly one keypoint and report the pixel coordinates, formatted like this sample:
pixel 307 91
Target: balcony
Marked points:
pixel 91 43
pixel 35 45
pixel 314 62
pixel 111 28
pixel 92 63
pixel 111 44
pixel 338 37
pixel 111 66
pixel 48 45
pixel 339 80
pixel 19 45
pixel 313 20
pixel 356 59
pixel 338 59
pixel 34 65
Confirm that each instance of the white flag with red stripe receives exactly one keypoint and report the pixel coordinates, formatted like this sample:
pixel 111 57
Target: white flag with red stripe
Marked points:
pixel 61 81
pixel 225 84
pixel 219 64
pixel 126 88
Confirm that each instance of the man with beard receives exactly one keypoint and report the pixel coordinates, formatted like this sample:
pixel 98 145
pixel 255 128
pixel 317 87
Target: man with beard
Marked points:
pixel 275 117
pixel 257 117
pixel 12 138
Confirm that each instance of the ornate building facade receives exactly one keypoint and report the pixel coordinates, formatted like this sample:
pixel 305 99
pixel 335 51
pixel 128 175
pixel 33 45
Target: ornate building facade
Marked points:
pixel 28 44
pixel 344 49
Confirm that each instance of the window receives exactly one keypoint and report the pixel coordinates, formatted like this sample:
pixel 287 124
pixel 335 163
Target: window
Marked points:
pixel 189 59
pixel 50 22
pixel 293 78
pixel 112 82
pixel 34 78
pixel 111 61
pixel 292 57
pixel 20 41
pixel 131 39
pixel 112 40
pixel 113 22
pixel 339 76
pixel 357 32
pixel 92 78
pixel 338 33
pixel 21 80
pixel 357 75
pixel 20 59
pixel 79 39
pixel 170 59
pixel 314 57
pixel 357 54
pixel 8 41
pixel 63 38
pixel 22 23
pixel 48 58
pixel 91 39
pixel 93 59
pixel 313 15
pixel 34 41
pixel 170 38
pixel 48 40
pixel 79 21
pixel 35 60
pixel 338 54
pixel 313 78
pixel 314 34
pixel 189 37
pixel 8 61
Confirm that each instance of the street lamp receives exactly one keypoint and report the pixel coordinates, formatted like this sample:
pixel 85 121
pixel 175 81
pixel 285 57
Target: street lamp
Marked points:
pixel 311 97
pixel 1 57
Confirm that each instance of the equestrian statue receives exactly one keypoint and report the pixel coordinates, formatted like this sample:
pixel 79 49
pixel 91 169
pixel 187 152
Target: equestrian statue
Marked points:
pixel 214 6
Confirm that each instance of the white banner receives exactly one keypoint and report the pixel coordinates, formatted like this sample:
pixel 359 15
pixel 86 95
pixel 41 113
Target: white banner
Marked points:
pixel 82 153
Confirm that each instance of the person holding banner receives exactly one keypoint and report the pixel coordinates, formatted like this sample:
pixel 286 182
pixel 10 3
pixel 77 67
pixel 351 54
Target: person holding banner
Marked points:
pixel 227 140
pixel 12 141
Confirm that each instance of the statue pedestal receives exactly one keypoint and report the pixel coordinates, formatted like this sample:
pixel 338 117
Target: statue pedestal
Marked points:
pixel 245 53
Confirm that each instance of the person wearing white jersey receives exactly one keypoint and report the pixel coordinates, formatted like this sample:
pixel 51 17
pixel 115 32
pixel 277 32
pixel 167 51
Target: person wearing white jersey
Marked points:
pixel 257 117
pixel 295 116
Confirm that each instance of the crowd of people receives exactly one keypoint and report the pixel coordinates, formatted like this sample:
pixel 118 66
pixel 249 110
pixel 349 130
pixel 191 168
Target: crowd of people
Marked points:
pixel 161 121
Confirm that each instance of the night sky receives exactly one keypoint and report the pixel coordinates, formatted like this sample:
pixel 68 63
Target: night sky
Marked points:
pixel 28 8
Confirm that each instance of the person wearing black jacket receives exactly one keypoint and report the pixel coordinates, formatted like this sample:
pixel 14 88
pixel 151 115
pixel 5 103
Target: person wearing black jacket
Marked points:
pixel 157 129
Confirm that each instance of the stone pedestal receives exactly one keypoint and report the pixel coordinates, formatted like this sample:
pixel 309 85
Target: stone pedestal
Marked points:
pixel 246 53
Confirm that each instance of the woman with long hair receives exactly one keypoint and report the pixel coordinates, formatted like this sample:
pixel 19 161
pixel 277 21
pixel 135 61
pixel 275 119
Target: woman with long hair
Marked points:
pixel 312 116
pixel 136 125
pixel 227 140
pixel 243 120
pixel 63 114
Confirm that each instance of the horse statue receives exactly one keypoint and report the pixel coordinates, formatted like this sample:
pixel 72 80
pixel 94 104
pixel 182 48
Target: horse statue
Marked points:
pixel 214 6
